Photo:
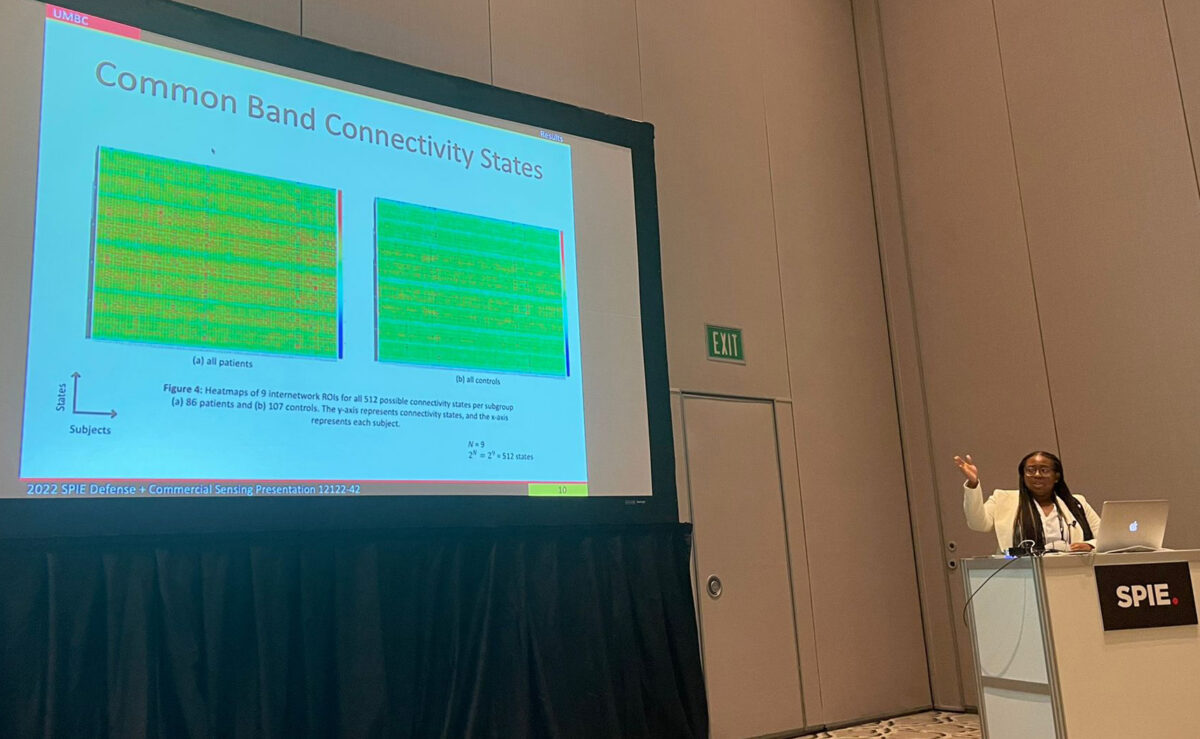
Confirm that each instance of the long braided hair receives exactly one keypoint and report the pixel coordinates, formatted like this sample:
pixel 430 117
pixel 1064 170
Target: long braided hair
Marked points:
pixel 1028 526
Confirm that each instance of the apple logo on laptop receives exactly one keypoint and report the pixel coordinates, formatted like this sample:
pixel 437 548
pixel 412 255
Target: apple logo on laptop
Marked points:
pixel 1133 526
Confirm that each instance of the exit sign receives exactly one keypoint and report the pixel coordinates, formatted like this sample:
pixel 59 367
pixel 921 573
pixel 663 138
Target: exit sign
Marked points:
pixel 725 344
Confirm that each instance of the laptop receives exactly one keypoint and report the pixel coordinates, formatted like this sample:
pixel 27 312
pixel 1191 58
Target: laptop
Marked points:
pixel 1132 526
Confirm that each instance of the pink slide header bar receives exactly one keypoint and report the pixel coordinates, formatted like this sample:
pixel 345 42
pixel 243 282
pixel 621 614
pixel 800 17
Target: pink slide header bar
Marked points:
pixel 54 12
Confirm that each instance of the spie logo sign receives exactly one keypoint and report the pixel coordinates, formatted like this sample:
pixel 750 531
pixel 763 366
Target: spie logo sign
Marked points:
pixel 1146 595
pixel 1134 596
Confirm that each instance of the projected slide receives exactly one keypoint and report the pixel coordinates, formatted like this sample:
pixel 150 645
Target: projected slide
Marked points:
pixel 246 283
pixel 205 257
pixel 461 291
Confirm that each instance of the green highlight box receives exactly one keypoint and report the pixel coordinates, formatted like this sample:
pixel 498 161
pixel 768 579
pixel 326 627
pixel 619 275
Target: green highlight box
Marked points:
pixel 462 291
pixel 558 489
pixel 190 255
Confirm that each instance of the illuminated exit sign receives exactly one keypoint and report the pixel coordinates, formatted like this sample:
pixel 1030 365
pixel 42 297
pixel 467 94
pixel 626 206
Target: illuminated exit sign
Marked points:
pixel 725 344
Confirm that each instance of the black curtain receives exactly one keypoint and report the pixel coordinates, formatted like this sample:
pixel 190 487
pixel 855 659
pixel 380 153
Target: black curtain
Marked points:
pixel 452 633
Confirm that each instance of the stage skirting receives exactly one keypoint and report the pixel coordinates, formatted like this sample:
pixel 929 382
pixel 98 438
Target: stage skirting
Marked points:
pixel 450 633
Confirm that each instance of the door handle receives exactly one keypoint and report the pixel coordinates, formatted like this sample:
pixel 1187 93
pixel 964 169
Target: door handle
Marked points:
pixel 713 587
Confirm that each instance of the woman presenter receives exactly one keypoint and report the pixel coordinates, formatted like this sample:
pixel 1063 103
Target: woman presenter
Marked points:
pixel 1042 515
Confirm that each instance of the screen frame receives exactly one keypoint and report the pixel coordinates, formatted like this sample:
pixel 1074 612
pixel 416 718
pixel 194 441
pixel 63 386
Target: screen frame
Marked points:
pixel 24 517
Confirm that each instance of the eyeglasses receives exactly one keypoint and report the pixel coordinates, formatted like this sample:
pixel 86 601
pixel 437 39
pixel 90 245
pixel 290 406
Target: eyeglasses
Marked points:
pixel 1039 471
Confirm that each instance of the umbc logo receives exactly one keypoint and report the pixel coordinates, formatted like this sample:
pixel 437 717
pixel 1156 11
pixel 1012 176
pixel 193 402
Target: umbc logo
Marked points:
pixel 1134 596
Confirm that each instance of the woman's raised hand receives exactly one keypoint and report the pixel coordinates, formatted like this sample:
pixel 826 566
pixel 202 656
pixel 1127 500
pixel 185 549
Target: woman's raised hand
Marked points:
pixel 969 470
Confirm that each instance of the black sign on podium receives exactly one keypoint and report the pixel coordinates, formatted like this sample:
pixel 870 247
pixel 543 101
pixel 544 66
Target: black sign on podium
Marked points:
pixel 1146 595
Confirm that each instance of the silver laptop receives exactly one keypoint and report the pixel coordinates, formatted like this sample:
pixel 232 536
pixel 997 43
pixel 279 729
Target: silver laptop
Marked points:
pixel 1132 526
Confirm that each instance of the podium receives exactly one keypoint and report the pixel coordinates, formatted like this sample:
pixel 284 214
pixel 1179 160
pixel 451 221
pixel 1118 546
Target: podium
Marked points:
pixel 1046 666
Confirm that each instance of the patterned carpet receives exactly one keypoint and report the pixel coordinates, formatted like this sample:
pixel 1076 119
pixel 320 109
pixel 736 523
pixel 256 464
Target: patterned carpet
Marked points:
pixel 928 725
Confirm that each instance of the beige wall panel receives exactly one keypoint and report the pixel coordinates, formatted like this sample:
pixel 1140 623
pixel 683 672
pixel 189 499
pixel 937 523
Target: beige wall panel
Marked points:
pixel 580 52
pixel 702 89
pixel 802 599
pixel 1183 22
pixel 281 14
pixel 1114 227
pixel 871 651
pixel 938 615
pixel 972 296
pixel 445 35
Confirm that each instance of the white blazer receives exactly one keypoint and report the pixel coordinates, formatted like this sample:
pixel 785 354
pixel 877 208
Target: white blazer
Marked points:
pixel 999 513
